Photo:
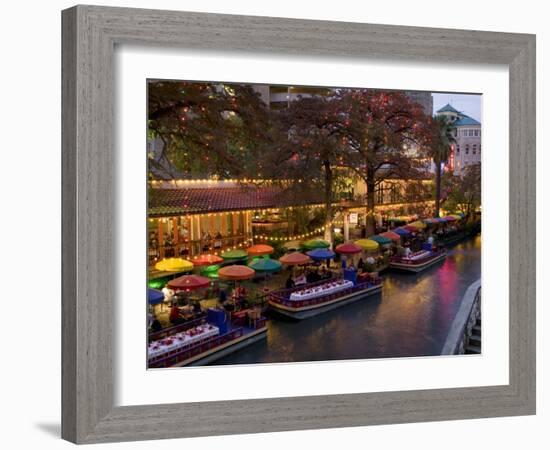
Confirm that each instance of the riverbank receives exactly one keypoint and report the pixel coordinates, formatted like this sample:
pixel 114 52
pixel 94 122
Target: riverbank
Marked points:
pixel 411 318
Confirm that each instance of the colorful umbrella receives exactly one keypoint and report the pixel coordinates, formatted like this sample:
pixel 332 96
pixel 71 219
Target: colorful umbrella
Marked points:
pixel 293 245
pixel 418 224
pixel 431 221
pixel 295 259
pixel 316 243
pixel 260 249
pixel 402 231
pixel 207 260
pixel 236 272
pixel 174 265
pixel 391 235
pixel 265 265
pixel 382 240
pixel 450 218
pixel 321 254
pixel 441 220
pixel 456 216
pixel 410 228
pixel 367 244
pixel 234 254
pixel 188 283
pixel 349 248
pixel 154 296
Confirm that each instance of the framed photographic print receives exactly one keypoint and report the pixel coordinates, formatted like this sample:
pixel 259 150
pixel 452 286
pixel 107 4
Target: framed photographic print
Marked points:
pixel 267 229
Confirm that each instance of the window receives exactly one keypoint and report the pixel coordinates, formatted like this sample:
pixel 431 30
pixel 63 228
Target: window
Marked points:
pixel 465 133
pixel 474 149
pixel 476 132
pixel 458 149
pixel 456 132
pixel 471 132
pixel 467 149
pixel 480 149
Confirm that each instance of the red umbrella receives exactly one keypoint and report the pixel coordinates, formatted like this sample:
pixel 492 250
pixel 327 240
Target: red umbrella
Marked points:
pixel 410 228
pixel 236 272
pixel 207 260
pixel 295 259
pixel 260 249
pixel 188 283
pixel 348 249
pixel 391 235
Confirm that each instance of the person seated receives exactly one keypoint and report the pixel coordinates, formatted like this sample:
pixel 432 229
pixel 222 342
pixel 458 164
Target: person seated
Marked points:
pixel 407 252
pixel 174 316
pixel 289 282
pixel 360 265
pixel 156 326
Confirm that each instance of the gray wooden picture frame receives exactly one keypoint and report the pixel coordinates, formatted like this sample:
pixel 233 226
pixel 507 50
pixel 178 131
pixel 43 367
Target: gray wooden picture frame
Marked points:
pixel 90 34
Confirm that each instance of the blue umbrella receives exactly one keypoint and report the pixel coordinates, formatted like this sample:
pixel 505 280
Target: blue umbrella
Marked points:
pixel 402 232
pixel 382 240
pixel 154 297
pixel 321 254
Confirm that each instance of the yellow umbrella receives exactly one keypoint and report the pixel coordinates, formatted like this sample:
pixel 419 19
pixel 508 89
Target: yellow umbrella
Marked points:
pixel 418 224
pixel 174 265
pixel 367 244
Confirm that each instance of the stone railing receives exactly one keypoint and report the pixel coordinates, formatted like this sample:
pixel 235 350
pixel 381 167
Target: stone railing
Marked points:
pixel 465 319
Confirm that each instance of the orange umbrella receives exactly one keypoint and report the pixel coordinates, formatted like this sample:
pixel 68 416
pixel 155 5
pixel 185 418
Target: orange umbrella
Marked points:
pixel 236 272
pixel 188 283
pixel 260 249
pixel 391 235
pixel 295 259
pixel 207 260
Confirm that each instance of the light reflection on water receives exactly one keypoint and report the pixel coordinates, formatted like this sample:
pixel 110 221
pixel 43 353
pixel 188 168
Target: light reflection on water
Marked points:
pixel 411 318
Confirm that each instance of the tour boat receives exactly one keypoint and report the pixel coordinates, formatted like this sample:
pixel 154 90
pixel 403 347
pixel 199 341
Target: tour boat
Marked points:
pixel 309 300
pixel 198 344
pixel 418 261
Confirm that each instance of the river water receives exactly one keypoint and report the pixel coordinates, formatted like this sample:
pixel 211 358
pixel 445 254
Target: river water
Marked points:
pixel 411 317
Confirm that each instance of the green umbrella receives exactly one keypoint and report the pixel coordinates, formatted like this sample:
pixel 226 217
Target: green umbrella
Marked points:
pixel 382 240
pixel 234 254
pixel 265 265
pixel 316 243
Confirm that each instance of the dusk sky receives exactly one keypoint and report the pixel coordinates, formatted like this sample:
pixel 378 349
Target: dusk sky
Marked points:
pixel 469 104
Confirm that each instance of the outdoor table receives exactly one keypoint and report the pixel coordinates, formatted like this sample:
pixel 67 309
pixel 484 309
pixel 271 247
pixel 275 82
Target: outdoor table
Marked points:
pixel 324 289
pixel 182 339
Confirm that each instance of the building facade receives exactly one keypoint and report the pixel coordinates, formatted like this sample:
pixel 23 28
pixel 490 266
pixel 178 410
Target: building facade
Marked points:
pixel 467 133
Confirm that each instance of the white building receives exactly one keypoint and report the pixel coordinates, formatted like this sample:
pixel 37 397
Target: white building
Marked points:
pixel 467 149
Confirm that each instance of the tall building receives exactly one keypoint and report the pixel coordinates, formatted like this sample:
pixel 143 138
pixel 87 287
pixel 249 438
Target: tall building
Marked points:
pixel 467 132
pixel 423 98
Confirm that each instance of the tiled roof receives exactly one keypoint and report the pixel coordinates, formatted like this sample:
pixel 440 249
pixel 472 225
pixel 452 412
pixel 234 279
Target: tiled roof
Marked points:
pixel 167 202
pixel 448 108
pixel 465 120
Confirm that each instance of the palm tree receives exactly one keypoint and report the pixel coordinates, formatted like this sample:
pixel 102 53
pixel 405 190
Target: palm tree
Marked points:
pixel 441 150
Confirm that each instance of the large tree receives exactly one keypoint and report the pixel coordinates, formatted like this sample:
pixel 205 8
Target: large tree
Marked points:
pixel 383 135
pixel 463 192
pixel 311 152
pixel 209 129
pixel 440 152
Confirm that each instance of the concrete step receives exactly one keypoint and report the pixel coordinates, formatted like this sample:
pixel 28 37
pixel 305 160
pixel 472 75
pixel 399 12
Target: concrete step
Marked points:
pixel 476 330
pixel 472 350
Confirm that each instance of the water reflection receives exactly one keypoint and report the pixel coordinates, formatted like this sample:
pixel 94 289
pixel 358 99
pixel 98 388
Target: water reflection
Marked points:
pixel 411 318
